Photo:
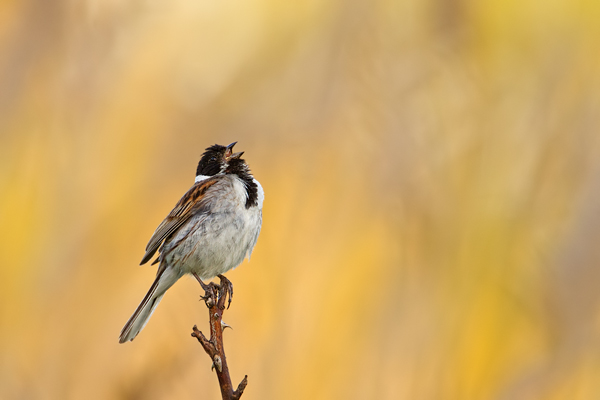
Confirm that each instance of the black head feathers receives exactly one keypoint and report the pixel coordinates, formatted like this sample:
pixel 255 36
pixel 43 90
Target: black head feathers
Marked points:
pixel 214 159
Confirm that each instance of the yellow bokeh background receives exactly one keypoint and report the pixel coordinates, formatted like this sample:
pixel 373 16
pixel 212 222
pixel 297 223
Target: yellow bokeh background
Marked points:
pixel 432 216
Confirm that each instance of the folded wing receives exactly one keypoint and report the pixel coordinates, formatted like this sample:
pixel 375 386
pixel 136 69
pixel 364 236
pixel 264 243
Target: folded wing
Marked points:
pixel 183 211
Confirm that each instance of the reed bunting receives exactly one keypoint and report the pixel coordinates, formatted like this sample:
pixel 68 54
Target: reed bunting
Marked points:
pixel 210 231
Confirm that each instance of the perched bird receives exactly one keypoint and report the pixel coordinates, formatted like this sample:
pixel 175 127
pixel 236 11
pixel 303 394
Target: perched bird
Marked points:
pixel 210 231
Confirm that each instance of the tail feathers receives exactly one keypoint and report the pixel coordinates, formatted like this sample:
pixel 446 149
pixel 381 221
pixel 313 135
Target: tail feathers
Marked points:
pixel 142 314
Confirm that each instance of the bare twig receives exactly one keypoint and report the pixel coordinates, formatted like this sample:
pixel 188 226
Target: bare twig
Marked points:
pixel 214 297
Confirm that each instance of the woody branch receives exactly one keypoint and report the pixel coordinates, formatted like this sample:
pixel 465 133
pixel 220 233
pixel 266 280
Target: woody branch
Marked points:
pixel 214 297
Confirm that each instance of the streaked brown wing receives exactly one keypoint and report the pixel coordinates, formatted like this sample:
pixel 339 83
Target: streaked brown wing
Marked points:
pixel 182 212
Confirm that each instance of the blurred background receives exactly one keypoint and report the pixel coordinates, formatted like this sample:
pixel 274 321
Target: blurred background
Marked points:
pixel 432 212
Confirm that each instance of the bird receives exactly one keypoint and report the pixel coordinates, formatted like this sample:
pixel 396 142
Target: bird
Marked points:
pixel 213 227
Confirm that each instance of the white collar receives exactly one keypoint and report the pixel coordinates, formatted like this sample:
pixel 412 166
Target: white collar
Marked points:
pixel 200 178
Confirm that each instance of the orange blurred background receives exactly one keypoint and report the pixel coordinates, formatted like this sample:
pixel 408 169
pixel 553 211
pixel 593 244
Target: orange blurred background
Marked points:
pixel 432 212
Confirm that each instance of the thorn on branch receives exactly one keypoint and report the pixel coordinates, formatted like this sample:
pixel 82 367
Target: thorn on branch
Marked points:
pixel 224 325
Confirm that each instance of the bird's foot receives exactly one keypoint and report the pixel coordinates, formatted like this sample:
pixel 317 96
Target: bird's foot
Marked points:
pixel 204 285
pixel 210 292
pixel 216 294
pixel 225 288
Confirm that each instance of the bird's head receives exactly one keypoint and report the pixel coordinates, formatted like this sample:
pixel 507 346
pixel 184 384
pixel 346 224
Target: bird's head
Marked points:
pixel 214 160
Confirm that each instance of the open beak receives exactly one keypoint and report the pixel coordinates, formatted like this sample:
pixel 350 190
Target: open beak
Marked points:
pixel 236 155
pixel 229 150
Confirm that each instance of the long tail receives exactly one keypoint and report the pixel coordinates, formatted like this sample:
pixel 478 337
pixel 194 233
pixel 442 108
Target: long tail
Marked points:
pixel 164 280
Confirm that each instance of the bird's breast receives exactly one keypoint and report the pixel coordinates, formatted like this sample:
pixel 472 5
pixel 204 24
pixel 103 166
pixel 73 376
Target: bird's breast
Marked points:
pixel 214 242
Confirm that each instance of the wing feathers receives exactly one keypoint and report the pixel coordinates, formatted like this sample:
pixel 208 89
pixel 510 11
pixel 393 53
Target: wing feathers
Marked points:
pixel 182 212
